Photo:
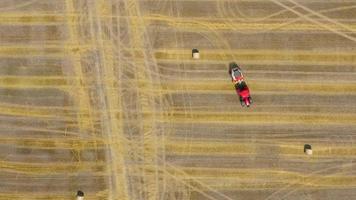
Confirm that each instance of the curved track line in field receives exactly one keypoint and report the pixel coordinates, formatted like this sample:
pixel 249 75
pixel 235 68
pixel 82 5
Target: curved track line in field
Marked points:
pixel 297 19
pixel 21 5
pixel 194 24
pixel 288 186
pixel 229 11
pixel 333 21
pixel 177 170
pixel 310 14
pixel 327 27
pixel 192 187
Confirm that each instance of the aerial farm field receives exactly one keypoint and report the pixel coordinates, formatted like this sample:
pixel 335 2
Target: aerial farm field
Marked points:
pixel 103 96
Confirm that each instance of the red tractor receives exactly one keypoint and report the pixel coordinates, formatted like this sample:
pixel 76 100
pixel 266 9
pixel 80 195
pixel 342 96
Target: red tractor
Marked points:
pixel 241 87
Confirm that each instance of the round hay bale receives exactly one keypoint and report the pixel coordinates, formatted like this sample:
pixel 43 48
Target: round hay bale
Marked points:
pixel 308 149
pixel 195 54
pixel 80 195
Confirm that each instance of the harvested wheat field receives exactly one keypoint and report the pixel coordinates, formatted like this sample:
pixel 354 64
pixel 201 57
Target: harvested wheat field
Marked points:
pixel 104 96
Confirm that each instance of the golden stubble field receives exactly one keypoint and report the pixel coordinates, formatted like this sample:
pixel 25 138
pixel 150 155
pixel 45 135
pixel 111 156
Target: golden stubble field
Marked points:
pixel 103 96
